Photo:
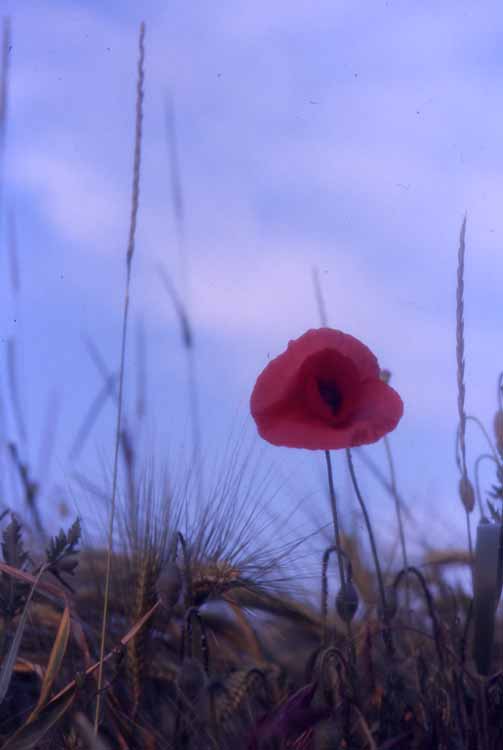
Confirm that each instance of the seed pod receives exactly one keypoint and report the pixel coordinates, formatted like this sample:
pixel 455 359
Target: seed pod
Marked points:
pixel 346 602
pixel 391 600
pixel 170 584
pixel 498 431
pixel 466 493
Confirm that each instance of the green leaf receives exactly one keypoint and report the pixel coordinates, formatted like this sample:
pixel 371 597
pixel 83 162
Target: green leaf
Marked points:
pixel 10 660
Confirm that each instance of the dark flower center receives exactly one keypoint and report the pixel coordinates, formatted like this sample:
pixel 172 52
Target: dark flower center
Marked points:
pixel 330 394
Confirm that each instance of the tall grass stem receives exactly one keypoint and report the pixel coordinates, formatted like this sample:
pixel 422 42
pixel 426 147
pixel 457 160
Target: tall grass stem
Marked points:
pixel 129 258
pixel 398 509
pixel 372 544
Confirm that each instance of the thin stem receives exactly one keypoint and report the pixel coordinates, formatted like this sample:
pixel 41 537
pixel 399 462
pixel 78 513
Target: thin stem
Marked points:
pixel 470 417
pixel 333 507
pixel 196 423
pixel 129 258
pixel 484 456
pixel 469 533
pixel 374 549
pixel 324 586
pixel 399 517
pixel 342 577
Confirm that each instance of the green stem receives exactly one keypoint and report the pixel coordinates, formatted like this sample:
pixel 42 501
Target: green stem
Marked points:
pixel 342 576
pixel 333 507
pixel 374 550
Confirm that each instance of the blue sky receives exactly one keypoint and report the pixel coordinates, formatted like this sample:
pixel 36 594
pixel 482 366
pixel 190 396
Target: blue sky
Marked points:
pixel 351 136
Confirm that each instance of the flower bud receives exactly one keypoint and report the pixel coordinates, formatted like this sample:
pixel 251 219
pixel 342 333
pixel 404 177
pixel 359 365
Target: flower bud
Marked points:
pixel 170 584
pixel 346 602
pixel 466 493
pixel 385 376
pixel 391 600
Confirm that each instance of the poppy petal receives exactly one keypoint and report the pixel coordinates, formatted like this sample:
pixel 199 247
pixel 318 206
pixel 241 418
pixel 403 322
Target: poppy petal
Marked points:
pixel 324 392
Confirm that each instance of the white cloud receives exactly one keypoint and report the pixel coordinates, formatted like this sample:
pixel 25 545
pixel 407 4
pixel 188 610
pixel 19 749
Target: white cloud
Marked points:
pixel 82 202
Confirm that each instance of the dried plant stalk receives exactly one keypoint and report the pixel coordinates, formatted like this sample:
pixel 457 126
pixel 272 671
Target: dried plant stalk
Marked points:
pixel 129 258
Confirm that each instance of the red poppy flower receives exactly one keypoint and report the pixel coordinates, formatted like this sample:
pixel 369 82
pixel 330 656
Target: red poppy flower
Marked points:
pixel 324 392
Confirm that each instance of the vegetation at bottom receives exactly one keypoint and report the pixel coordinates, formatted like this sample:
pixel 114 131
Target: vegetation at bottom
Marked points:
pixel 211 644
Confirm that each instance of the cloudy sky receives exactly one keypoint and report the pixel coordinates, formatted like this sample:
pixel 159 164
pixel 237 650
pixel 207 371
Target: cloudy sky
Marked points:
pixel 351 136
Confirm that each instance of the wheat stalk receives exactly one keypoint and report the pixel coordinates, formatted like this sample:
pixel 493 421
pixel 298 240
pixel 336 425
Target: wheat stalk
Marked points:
pixel 129 258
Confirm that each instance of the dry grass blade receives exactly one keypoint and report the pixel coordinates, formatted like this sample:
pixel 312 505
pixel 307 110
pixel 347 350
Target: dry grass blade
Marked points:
pixel 129 258
pixel 13 381
pixel 99 362
pixel 188 342
pixel 175 176
pixel 55 660
pixel 31 488
pixel 46 450
pixel 10 659
pixel 179 308
pixel 123 642
pixel 91 417
pixel 42 586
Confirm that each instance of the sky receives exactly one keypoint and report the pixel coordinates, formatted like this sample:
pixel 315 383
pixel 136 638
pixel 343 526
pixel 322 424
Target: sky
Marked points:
pixel 350 136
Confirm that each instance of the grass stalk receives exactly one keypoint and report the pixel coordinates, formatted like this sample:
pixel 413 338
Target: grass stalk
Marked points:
pixel 129 258
pixel 398 509
pixel 335 520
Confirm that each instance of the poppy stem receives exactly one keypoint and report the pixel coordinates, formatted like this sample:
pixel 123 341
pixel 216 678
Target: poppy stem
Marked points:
pixel 333 506
pixel 387 636
pixel 338 548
